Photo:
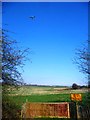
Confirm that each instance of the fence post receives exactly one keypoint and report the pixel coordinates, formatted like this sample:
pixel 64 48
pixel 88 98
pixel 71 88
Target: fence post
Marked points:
pixel 78 111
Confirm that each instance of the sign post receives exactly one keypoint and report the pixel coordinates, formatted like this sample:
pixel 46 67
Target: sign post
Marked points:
pixel 76 98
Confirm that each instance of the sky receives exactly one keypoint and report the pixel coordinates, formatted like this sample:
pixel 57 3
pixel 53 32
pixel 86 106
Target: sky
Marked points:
pixel 57 30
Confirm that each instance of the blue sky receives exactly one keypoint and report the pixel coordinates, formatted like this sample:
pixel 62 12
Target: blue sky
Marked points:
pixel 57 30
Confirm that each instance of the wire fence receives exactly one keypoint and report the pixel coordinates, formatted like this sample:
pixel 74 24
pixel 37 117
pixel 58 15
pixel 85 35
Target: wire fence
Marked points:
pixel 85 112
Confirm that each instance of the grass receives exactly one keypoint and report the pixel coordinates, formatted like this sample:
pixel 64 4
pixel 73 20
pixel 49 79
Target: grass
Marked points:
pixel 42 94
pixel 43 90
pixel 20 100
pixel 41 98
pixel 28 90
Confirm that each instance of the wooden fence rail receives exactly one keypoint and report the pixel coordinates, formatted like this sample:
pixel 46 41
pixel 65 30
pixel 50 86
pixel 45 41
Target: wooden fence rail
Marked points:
pixel 37 110
pixel 55 110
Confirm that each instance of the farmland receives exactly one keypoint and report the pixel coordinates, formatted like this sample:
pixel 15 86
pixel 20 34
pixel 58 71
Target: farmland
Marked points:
pixel 40 90
pixel 43 94
pixel 24 94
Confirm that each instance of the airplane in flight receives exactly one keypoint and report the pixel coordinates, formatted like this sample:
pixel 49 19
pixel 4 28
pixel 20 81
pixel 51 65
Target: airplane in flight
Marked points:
pixel 32 17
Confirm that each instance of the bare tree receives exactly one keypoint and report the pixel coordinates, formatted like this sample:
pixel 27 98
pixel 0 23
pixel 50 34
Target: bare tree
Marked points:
pixel 82 60
pixel 12 58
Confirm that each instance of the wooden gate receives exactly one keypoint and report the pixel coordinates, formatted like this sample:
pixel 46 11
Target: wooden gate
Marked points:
pixel 51 110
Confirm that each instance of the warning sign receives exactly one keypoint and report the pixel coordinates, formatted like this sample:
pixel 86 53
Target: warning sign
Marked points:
pixel 76 97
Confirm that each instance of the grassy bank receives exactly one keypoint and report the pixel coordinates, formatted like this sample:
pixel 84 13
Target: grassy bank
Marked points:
pixel 20 100
pixel 17 97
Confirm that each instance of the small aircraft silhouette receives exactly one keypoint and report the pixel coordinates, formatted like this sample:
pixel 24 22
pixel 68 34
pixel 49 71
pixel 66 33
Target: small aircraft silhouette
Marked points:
pixel 32 17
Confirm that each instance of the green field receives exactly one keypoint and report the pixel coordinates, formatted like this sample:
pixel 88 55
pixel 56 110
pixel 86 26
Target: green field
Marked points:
pixel 40 90
pixel 43 94
pixel 20 100
pixel 25 94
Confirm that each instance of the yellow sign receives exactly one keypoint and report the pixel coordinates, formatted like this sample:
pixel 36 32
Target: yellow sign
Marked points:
pixel 76 97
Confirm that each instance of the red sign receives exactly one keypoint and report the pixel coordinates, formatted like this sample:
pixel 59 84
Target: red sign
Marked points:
pixel 35 110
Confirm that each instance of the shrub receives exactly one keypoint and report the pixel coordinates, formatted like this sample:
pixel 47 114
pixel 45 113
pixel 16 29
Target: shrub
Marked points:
pixel 75 86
